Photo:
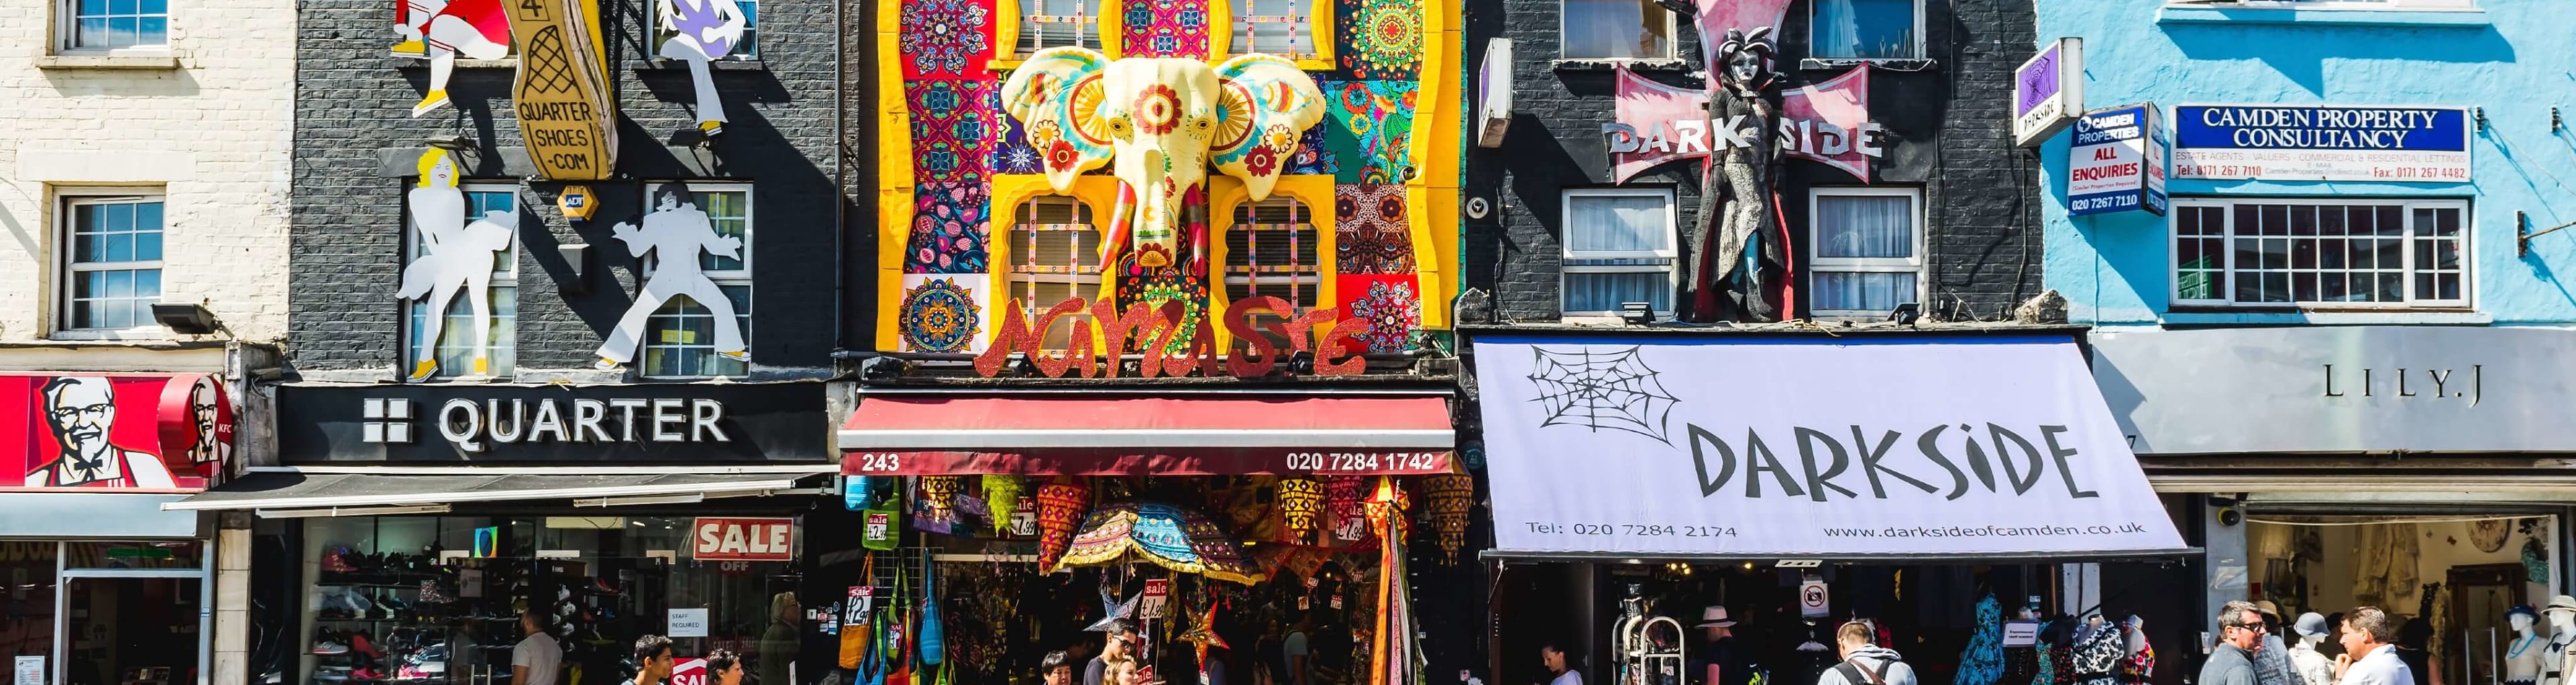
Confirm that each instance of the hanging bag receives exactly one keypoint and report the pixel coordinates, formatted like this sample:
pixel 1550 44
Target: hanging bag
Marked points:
pixel 881 526
pixel 932 639
pixel 856 634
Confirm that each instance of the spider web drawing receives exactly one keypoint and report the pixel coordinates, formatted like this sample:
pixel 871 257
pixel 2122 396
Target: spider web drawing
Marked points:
pixel 1601 390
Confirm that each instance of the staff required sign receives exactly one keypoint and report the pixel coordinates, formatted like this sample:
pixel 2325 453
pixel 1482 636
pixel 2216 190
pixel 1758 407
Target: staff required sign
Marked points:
pixel 2116 162
pixel 2321 143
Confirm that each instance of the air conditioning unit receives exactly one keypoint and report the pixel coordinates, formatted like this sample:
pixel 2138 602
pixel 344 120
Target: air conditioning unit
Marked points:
pixel 1494 94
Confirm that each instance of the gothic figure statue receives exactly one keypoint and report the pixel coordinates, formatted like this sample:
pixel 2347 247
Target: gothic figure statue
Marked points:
pixel 1730 259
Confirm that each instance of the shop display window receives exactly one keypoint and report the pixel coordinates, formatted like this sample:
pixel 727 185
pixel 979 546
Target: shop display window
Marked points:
pixel 437 599
pixel 104 612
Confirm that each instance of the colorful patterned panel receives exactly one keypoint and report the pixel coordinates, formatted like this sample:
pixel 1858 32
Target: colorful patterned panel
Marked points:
pixel 943 313
pixel 1372 233
pixel 945 38
pixel 1011 151
pixel 1313 156
pixel 1380 39
pixel 952 129
pixel 1391 304
pixel 1157 285
pixel 1374 126
pixel 1166 28
pixel 950 224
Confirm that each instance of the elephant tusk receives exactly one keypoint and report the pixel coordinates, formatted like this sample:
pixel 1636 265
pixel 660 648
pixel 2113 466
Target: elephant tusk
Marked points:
pixel 1197 197
pixel 1120 230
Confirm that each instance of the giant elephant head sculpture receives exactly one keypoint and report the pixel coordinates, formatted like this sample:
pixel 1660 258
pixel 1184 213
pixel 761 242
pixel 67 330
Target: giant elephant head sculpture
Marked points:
pixel 1160 123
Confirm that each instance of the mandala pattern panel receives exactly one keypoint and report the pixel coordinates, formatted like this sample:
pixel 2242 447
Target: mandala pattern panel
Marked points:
pixel 953 129
pixel 1372 233
pixel 943 313
pixel 1391 304
pixel 1380 39
pixel 1167 28
pixel 1011 153
pixel 950 224
pixel 1373 128
pixel 945 38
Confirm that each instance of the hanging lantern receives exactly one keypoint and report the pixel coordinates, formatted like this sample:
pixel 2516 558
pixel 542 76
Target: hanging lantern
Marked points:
pixel 1447 497
pixel 1061 506
pixel 1388 505
pixel 1002 496
pixel 1300 500
pixel 1344 500
pixel 939 493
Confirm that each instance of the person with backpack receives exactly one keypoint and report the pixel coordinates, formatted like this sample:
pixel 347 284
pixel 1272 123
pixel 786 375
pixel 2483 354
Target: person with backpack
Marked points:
pixel 1864 662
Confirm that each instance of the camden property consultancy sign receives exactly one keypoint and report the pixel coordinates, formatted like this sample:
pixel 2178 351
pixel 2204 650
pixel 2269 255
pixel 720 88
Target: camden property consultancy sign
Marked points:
pixel 2321 143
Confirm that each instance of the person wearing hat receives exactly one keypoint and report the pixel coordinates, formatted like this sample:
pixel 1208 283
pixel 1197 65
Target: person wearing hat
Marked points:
pixel 1721 659
pixel 2272 662
pixel 2313 666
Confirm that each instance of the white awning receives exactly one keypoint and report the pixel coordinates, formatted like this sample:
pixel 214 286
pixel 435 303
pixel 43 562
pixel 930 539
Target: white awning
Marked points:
pixel 357 493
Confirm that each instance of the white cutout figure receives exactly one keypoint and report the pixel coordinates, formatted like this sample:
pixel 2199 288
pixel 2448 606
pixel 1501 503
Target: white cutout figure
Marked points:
pixel 704 30
pixel 441 29
pixel 674 233
pixel 455 257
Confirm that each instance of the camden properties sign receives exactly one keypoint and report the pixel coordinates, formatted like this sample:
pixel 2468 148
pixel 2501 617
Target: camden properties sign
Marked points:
pixel 2116 163
pixel 2321 143
pixel 1938 446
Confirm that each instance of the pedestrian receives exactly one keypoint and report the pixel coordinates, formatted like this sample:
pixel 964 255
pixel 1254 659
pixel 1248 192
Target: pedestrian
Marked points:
pixel 2414 641
pixel 2272 662
pixel 2333 646
pixel 1056 668
pixel 1298 652
pixel 2369 651
pixel 1113 651
pixel 2240 635
pixel 1560 665
pixel 1721 660
pixel 652 660
pixel 1212 666
pixel 2314 668
pixel 725 667
pixel 538 658
pixel 1864 662
pixel 778 646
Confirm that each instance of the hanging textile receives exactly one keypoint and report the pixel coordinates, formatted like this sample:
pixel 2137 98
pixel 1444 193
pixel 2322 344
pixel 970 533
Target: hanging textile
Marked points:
pixel 2097 656
pixel 1061 506
pixel 2386 575
pixel 1393 652
pixel 1983 661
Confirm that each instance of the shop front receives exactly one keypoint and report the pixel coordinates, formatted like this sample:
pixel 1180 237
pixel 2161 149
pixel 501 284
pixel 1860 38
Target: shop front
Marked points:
pixel 1248 533
pixel 416 533
pixel 1945 487
pixel 102 585
pixel 2421 469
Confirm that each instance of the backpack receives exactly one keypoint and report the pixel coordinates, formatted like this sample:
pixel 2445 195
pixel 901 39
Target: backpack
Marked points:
pixel 1853 672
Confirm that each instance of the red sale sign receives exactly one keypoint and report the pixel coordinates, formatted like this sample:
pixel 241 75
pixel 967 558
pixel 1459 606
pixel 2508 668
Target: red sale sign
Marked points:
pixel 689 672
pixel 744 539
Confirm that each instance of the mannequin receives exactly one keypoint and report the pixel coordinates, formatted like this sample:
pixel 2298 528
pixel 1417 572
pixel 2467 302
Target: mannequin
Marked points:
pixel 2554 660
pixel 2312 666
pixel 2521 660
pixel 2140 663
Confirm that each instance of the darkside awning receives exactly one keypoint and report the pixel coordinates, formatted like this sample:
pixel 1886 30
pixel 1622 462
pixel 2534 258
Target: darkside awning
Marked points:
pixel 328 494
pixel 1091 434
pixel 1884 448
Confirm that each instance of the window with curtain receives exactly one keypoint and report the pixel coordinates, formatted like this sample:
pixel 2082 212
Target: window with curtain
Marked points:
pixel 1055 256
pixel 2289 252
pixel 1056 23
pixel 1617 29
pixel 1619 248
pixel 94 26
pixel 1270 250
pixel 680 338
pixel 455 343
pixel 1273 27
pixel 1867 251
pixel 1865 29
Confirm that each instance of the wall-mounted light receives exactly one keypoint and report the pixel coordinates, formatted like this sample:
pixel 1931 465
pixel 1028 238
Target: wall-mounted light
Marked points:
pixel 189 319
pixel 1637 313
pixel 576 258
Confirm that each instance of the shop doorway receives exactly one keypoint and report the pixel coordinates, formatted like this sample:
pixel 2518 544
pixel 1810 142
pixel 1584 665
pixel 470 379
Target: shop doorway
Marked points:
pixel 2447 577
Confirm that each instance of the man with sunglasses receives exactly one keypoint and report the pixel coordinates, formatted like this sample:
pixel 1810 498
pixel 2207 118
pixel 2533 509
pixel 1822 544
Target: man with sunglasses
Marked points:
pixel 2240 635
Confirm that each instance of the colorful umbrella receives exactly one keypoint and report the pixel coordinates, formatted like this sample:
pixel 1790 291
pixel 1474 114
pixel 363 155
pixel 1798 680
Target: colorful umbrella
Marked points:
pixel 1171 537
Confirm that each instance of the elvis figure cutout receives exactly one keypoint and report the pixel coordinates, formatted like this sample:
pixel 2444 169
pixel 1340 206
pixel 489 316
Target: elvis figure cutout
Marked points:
pixel 440 29
pixel 702 31
pixel 674 233
pixel 455 257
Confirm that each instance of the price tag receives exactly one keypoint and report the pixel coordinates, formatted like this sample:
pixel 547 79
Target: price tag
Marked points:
pixel 863 599
pixel 1157 594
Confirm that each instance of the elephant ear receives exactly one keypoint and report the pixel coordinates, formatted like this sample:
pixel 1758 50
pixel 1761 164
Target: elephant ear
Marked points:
pixel 1056 96
pixel 1264 106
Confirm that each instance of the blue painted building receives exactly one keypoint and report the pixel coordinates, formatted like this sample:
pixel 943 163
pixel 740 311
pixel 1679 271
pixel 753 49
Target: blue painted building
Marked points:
pixel 2330 351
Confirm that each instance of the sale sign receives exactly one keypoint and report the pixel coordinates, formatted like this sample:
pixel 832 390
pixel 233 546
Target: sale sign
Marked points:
pixel 689 672
pixel 744 539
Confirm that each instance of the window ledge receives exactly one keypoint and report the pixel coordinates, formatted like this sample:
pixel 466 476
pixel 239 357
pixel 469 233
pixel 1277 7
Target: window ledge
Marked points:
pixel 140 335
pixel 1914 64
pixel 2470 17
pixel 1669 64
pixel 169 60
pixel 410 62
pixel 2435 318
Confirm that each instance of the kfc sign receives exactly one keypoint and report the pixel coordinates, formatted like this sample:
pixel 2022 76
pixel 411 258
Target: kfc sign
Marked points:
pixel 744 539
pixel 148 431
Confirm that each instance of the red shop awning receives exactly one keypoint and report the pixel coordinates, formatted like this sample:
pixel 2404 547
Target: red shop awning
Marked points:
pixel 1088 434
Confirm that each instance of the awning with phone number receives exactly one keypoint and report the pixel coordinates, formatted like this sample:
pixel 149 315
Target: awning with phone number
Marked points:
pixel 1952 447
pixel 1040 433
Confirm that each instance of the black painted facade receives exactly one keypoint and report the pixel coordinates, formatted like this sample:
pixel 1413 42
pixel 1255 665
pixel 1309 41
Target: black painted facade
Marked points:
pixel 1947 134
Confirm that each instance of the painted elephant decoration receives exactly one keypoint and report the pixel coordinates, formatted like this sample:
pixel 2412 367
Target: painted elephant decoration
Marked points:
pixel 1160 123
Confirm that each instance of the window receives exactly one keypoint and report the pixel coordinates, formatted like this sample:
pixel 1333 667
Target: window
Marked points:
pixel 110 25
pixel 109 611
pixel 1617 29
pixel 2282 252
pixel 1866 29
pixel 748 48
pixel 1057 23
pixel 680 338
pixel 113 273
pixel 1618 249
pixel 1055 255
pixel 1271 250
pixel 1276 27
pixel 1867 256
pixel 454 334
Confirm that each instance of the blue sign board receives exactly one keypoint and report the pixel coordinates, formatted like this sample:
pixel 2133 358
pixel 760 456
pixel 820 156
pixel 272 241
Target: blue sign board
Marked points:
pixel 2321 143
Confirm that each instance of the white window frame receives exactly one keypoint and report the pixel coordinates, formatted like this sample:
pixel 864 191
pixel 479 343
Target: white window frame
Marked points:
pixel 500 279
pixel 731 277
pixel 2345 5
pixel 1672 269
pixel 1920 50
pixel 1817 263
pixel 1301 20
pixel 68 266
pixel 1092 33
pixel 1015 280
pixel 66 38
pixel 751 32
pixel 64 574
pixel 2226 284
pixel 1672 39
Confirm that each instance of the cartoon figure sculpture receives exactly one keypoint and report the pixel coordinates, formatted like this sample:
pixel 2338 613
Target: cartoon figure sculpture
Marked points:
pixel 456 257
pixel 1727 250
pixel 674 233
pixel 82 413
pixel 1160 123
pixel 441 29
pixel 703 30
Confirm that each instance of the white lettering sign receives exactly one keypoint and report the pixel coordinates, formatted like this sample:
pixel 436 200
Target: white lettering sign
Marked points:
pixel 689 622
pixel 473 426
